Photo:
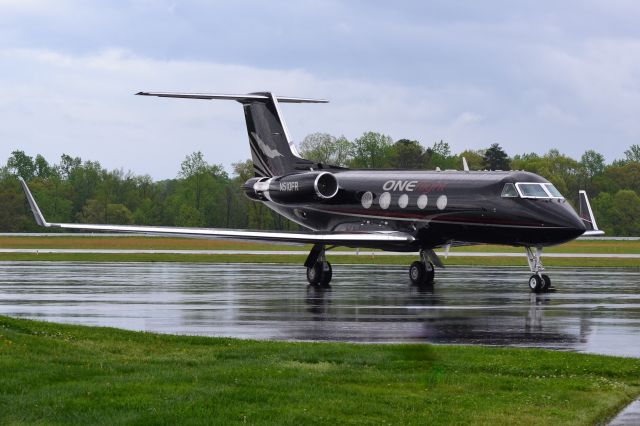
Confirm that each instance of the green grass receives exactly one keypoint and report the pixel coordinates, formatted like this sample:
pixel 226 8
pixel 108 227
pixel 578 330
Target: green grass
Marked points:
pixel 151 243
pixel 333 257
pixel 54 374
pixel 157 243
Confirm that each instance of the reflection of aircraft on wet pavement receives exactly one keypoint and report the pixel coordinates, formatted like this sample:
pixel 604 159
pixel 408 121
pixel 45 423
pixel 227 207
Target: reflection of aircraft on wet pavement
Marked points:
pixel 395 210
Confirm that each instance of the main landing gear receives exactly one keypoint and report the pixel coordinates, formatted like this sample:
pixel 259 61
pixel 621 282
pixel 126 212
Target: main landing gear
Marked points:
pixel 319 272
pixel 538 282
pixel 422 272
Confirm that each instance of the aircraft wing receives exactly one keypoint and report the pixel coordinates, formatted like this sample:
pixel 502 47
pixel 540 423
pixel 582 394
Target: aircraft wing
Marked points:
pixel 586 214
pixel 333 238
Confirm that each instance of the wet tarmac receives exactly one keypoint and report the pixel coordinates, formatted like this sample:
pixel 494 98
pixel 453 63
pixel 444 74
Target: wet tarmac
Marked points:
pixel 594 310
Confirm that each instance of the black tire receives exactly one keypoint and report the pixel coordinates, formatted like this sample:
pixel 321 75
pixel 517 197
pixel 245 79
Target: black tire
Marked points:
pixel 327 274
pixel 546 282
pixel 535 283
pixel 431 274
pixel 417 273
pixel 314 273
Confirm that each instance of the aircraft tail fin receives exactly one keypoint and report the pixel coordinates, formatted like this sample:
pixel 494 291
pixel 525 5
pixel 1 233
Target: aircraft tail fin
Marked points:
pixel 586 214
pixel 272 150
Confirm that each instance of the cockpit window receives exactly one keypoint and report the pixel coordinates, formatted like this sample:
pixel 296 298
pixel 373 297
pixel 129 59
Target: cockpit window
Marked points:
pixel 509 191
pixel 553 190
pixel 532 190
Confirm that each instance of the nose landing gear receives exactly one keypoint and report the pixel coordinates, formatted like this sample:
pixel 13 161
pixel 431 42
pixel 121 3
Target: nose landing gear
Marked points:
pixel 538 282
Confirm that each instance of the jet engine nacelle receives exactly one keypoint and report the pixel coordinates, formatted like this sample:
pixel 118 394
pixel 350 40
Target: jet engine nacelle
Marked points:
pixel 294 188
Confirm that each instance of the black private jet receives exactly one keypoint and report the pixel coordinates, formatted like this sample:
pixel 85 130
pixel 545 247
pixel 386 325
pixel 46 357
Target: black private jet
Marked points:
pixel 392 210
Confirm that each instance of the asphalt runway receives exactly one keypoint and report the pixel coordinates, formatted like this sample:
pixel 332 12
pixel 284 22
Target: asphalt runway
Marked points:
pixel 594 310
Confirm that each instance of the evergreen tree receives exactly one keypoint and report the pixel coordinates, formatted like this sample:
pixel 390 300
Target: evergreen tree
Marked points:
pixel 496 159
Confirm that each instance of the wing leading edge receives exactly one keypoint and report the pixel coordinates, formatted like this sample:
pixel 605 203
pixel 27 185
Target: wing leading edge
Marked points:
pixel 333 238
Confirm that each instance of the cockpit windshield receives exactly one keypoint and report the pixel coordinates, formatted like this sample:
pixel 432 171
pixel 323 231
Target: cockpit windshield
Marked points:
pixel 530 190
pixel 553 190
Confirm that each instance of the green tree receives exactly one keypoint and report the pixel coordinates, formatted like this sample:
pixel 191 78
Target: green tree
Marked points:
pixel 147 213
pixel 619 176
pixel 625 213
pixel 95 212
pixel 602 205
pixel 53 198
pixel 633 153
pixel 42 169
pixel 13 214
pixel 496 159
pixel 342 151
pixel 194 170
pixel 325 149
pixel 120 214
pixel 441 148
pixel 189 216
pixel 406 154
pixel 371 150
pixel 475 159
pixel 20 164
pixel 593 163
pixel 68 165
pixel 439 155
pixel 83 181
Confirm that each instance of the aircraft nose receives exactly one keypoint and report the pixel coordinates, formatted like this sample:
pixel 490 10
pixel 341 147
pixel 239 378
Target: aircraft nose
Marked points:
pixel 579 226
pixel 574 224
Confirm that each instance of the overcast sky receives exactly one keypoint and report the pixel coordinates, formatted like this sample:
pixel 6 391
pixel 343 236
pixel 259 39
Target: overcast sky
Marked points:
pixel 530 75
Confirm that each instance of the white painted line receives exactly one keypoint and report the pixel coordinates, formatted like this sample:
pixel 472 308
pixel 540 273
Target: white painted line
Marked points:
pixel 304 253
pixel 133 234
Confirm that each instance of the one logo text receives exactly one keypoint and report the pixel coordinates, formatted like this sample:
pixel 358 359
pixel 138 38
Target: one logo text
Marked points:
pixel 400 185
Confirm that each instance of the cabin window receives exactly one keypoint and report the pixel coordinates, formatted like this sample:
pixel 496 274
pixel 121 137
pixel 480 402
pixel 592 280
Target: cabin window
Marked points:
pixel 553 190
pixel 509 191
pixel 532 190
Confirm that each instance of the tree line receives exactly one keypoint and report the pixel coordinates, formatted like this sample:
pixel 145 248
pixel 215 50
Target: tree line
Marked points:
pixel 206 195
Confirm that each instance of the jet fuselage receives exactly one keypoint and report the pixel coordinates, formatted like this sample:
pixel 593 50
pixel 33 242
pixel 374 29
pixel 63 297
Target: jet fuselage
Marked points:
pixel 438 207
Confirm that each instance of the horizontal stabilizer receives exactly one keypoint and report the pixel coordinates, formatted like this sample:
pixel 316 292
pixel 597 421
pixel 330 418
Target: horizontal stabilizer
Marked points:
pixel 240 98
pixel 586 214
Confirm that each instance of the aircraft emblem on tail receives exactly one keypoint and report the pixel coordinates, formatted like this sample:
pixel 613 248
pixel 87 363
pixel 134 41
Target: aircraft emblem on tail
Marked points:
pixel 269 152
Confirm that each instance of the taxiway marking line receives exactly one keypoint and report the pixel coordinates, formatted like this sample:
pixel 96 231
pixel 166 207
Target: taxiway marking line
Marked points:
pixel 301 252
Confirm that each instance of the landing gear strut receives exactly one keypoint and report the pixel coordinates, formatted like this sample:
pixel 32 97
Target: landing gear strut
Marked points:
pixel 319 272
pixel 538 282
pixel 422 272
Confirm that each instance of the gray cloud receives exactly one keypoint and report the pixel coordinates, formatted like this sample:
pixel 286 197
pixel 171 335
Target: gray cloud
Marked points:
pixel 529 76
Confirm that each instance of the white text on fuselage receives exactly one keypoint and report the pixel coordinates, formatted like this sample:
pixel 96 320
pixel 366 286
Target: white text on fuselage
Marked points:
pixel 413 185
pixel 288 186
pixel 400 185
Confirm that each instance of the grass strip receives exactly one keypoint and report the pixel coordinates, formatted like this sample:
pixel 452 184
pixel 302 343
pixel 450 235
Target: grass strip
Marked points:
pixel 53 374
pixel 333 257
pixel 156 243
